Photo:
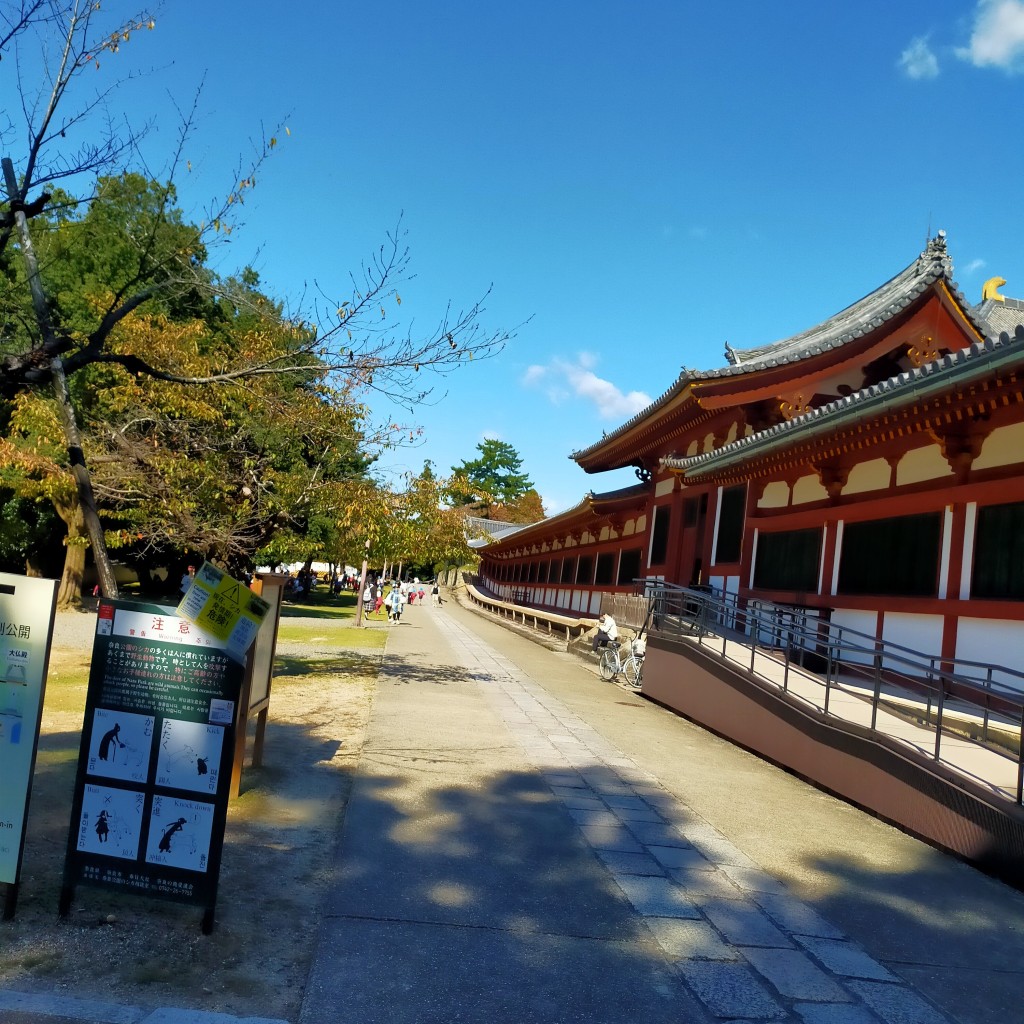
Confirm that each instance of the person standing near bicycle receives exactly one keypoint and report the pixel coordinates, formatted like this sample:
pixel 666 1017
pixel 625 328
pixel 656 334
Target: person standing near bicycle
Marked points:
pixel 607 632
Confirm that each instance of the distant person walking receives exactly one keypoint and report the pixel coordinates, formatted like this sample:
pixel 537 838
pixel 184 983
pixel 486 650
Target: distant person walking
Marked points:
pixel 394 605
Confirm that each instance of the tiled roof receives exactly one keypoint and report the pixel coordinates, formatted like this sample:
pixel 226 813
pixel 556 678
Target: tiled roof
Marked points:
pixel 633 491
pixel 863 317
pixel 977 359
pixel 1000 316
pixel 492 530
pixel 586 504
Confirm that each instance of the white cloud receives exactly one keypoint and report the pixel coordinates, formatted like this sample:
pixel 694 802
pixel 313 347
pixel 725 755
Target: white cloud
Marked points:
pixel 974 266
pixel 997 40
pixel 565 378
pixel 918 61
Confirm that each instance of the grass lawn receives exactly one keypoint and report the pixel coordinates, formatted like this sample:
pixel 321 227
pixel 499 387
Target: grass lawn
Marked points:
pixel 320 605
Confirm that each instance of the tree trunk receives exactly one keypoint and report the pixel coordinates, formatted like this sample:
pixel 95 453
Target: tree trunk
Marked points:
pixel 87 502
pixel 69 594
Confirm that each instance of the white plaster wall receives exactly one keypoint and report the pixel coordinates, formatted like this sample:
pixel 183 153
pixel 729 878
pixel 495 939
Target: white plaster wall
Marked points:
pixel 577 600
pixel 641 523
pixel 1003 447
pixel 776 495
pixel 993 642
pixel 733 432
pixel 563 599
pixel 663 487
pixel 595 602
pixel 691 448
pixel 922 464
pixel 808 488
pixel 861 621
pixel 867 476
pixel 629 529
pixel 605 533
pixel 922 633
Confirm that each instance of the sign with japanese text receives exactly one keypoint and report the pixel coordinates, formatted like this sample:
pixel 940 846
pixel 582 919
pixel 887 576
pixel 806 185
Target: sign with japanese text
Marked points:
pixel 27 607
pixel 225 608
pixel 154 767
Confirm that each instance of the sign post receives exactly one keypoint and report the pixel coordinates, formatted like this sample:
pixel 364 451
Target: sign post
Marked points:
pixel 154 767
pixel 27 609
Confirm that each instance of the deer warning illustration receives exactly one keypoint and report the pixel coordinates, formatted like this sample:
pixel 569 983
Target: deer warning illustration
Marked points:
pixel 179 833
pixel 110 822
pixel 189 755
pixel 120 745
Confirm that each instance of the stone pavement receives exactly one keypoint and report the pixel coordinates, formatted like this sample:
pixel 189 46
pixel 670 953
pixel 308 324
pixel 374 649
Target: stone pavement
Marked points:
pixel 527 843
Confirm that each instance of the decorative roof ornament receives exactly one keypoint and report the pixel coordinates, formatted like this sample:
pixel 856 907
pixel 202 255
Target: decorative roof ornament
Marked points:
pixel 990 289
pixel 936 246
pixel 731 355
pixel 935 251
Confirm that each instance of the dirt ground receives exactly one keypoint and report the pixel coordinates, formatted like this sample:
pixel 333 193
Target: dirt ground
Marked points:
pixel 277 859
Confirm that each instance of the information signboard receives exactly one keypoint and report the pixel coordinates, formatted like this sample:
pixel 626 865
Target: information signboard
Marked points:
pixel 154 768
pixel 224 608
pixel 27 608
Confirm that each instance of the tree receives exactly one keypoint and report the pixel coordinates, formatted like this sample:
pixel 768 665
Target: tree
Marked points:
pixel 349 341
pixel 527 508
pixel 495 476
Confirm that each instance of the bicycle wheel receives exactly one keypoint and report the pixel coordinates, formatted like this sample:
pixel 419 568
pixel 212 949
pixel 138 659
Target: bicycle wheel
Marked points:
pixel 632 669
pixel 609 664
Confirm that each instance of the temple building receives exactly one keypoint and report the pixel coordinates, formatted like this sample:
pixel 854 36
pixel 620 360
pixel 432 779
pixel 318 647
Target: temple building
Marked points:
pixel 867 472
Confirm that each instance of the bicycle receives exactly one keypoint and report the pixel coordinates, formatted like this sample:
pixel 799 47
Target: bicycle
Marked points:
pixel 631 667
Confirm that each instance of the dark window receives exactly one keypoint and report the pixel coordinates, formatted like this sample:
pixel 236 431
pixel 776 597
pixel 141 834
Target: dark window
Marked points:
pixel 532 578
pixel 555 570
pixel 568 565
pixel 605 569
pixel 892 556
pixel 788 560
pixel 730 524
pixel 585 569
pixel 659 541
pixel 542 572
pixel 517 570
pixel 629 567
pixel 999 553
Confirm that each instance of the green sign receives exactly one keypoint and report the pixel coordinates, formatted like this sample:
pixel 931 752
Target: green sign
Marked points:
pixel 27 608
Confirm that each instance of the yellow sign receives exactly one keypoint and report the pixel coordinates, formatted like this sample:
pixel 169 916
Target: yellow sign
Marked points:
pixel 224 608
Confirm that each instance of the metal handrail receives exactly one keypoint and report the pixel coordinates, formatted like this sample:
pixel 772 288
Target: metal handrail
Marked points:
pixel 947 687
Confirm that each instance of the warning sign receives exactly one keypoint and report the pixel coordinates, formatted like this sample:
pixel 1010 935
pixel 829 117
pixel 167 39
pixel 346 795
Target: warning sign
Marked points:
pixel 225 609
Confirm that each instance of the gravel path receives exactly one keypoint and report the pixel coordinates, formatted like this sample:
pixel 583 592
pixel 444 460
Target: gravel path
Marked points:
pixel 74 631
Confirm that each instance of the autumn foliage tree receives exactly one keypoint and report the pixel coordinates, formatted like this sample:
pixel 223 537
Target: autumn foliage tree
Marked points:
pixel 108 303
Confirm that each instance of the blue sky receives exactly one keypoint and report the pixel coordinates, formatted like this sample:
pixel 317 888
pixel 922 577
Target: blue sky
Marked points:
pixel 639 182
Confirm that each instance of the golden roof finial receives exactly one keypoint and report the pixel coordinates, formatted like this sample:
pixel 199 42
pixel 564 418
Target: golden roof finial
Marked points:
pixel 989 289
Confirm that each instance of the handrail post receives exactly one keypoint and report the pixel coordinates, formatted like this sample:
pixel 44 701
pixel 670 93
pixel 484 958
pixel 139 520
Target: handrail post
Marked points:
pixel 1020 765
pixel 988 686
pixel 828 676
pixel 938 715
pixel 878 689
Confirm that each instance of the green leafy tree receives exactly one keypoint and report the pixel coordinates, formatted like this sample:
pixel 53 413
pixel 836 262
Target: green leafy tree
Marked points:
pixel 495 476
pixel 58 325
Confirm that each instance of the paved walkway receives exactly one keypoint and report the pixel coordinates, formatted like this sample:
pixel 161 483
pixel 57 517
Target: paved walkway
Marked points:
pixel 527 843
